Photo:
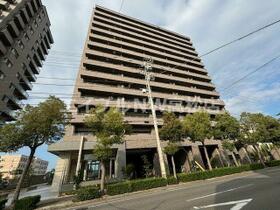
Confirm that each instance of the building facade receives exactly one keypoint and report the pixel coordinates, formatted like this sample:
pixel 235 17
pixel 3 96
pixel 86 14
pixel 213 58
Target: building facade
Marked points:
pixel 110 74
pixel 25 40
pixel 12 165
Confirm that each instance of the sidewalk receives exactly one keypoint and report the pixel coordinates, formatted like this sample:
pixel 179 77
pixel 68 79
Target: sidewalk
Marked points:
pixel 43 189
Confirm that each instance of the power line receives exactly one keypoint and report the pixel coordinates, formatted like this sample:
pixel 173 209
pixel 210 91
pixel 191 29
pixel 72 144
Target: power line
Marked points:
pixel 235 40
pixel 250 73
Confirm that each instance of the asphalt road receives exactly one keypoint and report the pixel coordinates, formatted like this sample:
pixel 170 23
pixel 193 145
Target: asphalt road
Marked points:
pixel 254 190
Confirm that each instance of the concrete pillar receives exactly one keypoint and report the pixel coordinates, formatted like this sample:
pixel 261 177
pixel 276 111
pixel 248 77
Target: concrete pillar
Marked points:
pixel 79 156
pixel 275 152
pixel 61 171
pixel 120 162
pixel 245 159
pixel 189 160
pixel 197 156
pixel 110 168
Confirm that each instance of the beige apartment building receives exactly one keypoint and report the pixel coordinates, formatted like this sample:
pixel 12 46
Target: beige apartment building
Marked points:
pixel 12 165
pixel 25 40
pixel 110 74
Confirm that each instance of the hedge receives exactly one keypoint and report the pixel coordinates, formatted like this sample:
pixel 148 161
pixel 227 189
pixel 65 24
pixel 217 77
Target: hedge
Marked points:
pixel 27 203
pixel 273 163
pixel 135 185
pixel 119 188
pixel 172 180
pixel 217 172
pixel 2 203
pixel 92 192
pixel 87 193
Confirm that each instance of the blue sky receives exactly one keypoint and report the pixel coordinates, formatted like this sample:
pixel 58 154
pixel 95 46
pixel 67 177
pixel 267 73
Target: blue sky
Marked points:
pixel 209 23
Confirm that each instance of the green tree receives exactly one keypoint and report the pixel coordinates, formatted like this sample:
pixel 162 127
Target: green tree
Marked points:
pixel 35 126
pixel 198 127
pixel 109 128
pixel 254 131
pixel 171 131
pixel 227 128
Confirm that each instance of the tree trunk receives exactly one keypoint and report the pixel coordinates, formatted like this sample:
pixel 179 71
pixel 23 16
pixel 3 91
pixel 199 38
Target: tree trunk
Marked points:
pixel 207 157
pixel 102 180
pixel 173 166
pixel 234 159
pixel 25 170
pixel 259 155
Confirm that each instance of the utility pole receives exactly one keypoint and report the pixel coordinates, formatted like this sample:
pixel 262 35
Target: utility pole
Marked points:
pixel 148 76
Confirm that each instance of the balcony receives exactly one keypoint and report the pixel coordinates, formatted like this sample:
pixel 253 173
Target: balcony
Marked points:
pixel 6 37
pixel 8 114
pixel 4 5
pixel 18 91
pixel 20 22
pixel 3 49
pixel 13 102
pixel 25 83
pixel 139 93
pixel 157 68
pixel 14 29
pixel 142 84
pixel 29 74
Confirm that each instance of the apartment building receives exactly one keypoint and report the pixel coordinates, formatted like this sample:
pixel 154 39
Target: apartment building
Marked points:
pixel 110 74
pixel 25 40
pixel 12 165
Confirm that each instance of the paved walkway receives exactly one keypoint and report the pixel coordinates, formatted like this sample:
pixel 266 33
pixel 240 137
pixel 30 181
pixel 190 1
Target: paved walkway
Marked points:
pixel 43 190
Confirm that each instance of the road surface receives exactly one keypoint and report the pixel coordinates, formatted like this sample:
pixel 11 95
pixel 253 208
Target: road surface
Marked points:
pixel 255 191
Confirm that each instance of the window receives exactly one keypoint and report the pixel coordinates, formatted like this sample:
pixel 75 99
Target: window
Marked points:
pixel 35 24
pixel 2 76
pixel 5 99
pixel 12 87
pixel 20 44
pixel 15 53
pixel 26 37
pixel 8 63
pixel 31 30
pixel 93 168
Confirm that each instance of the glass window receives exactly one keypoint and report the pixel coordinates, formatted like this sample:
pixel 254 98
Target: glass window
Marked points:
pixel 2 76
pixel 26 36
pixel 20 44
pixel 93 168
pixel 15 53
pixel 8 63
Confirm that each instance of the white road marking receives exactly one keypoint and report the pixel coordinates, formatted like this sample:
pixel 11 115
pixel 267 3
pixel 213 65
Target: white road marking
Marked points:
pixel 237 204
pixel 217 193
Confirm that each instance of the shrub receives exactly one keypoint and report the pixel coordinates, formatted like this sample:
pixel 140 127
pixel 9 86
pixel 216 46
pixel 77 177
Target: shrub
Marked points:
pixel 2 203
pixel 217 172
pixel 119 188
pixel 172 180
pixel 27 203
pixel 135 185
pixel 87 193
pixel 145 184
pixel 273 163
